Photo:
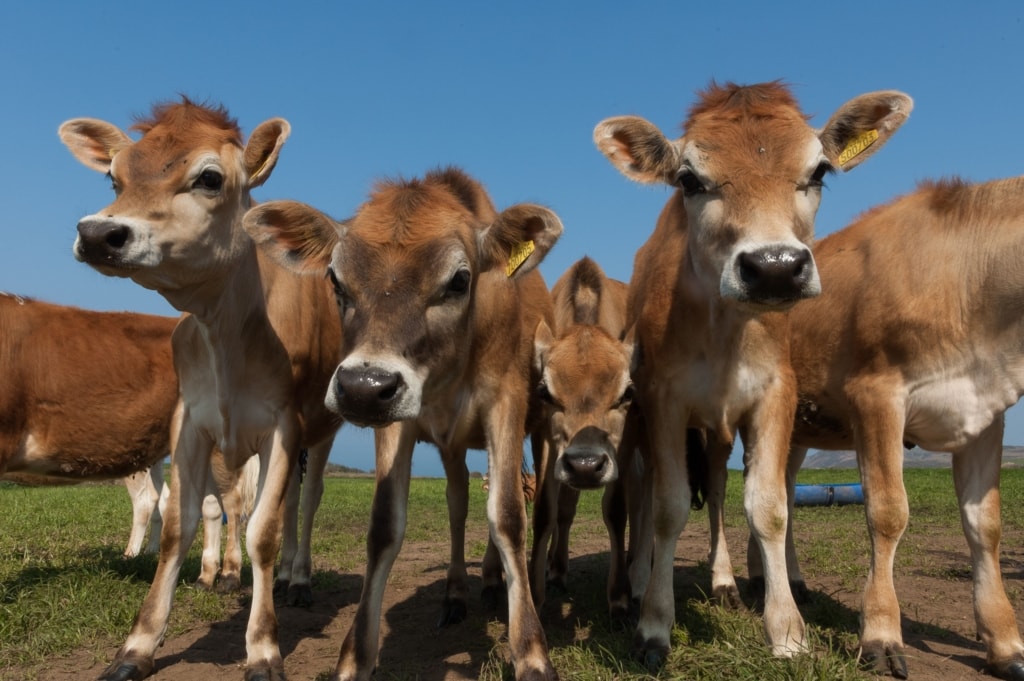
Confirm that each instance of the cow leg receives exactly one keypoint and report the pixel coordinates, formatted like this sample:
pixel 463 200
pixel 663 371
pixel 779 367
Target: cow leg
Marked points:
pixel 230 577
pixel 290 533
pixel 976 475
pixel 723 581
pixel 613 510
pixel 878 421
pixel 189 468
pixel 558 552
pixel 640 549
pixel 456 588
pixel 545 512
pixel 665 471
pixel 765 501
pixel 394 446
pixel 300 590
pixel 278 457
pixel 213 519
pixel 506 515
pixel 755 569
pixel 144 491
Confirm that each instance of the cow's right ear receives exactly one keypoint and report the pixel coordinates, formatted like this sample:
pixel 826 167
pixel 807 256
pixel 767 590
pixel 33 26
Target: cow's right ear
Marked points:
pixel 633 348
pixel 638 149
pixel 519 238
pixel 93 142
pixel 542 340
pixel 297 236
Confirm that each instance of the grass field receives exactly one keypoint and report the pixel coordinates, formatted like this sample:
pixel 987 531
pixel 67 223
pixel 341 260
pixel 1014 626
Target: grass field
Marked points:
pixel 65 590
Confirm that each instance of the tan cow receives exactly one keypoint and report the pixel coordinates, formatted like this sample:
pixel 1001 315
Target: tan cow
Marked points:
pixel 439 299
pixel 729 252
pixel 253 357
pixel 917 338
pixel 585 364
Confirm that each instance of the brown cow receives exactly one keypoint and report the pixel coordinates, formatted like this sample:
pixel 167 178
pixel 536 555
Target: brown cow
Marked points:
pixel 253 357
pixel 916 338
pixel 89 395
pixel 730 251
pixel 585 366
pixel 439 300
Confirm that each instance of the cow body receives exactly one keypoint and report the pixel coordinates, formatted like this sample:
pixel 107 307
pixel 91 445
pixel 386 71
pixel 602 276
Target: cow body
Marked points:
pixel 585 363
pixel 439 300
pixel 730 252
pixel 254 355
pixel 917 339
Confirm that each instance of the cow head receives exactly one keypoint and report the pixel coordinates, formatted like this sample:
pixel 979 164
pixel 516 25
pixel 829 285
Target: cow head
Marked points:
pixel 180 192
pixel 749 172
pixel 414 272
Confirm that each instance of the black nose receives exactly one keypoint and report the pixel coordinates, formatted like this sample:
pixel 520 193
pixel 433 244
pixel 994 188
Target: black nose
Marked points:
pixel 778 273
pixel 367 393
pixel 588 460
pixel 102 241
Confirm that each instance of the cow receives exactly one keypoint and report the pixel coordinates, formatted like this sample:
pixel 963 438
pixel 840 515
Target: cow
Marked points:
pixel 916 339
pixel 439 299
pixel 730 251
pixel 584 362
pixel 253 355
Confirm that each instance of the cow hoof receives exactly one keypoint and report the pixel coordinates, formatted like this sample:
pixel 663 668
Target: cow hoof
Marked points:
pixel 453 611
pixel 1012 671
pixel 884 658
pixel 126 670
pixel 548 674
pixel 265 673
pixel 280 588
pixel 299 596
pixel 204 584
pixel 650 654
pixel 491 597
pixel 558 585
pixel 728 597
pixel 228 584
pixel 621 618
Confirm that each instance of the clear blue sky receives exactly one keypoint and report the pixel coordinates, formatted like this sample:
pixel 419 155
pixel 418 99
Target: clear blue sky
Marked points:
pixel 511 94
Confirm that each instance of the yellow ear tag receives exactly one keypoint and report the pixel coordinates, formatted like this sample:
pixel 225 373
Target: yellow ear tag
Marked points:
pixel 520 252
pixel 857 145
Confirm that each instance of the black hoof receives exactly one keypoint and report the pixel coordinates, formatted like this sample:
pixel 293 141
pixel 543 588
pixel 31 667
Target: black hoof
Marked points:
pixel 1014 671
pixel 228 584
pixel 621 618
pixel 728 597
pixel 262 673
pixel 299 596
pixel 453 611
pixel 491 597
pixel 650 654
pixel 884 659
pixel 557 585
pixel 125 671
pixel 280 588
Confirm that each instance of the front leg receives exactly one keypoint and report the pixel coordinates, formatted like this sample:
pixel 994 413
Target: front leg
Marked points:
pixel 189 466
pixel 394 445
pixel 723 581
pixel 766 435
pixel 456 591
pixel 300 590
pixel 506 515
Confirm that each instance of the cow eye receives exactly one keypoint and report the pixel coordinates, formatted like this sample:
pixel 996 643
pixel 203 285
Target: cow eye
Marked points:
pixel 817 179
pixel 209 180
pixel 340 293
pixel 458 284
pixel 627 397
pixel 113 183
pixel 690 183
pixel 545 394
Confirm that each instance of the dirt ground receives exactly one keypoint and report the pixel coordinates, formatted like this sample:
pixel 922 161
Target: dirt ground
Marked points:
pixel 938 621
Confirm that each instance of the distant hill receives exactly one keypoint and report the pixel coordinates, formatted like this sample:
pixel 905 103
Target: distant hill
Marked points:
pixel 1013 457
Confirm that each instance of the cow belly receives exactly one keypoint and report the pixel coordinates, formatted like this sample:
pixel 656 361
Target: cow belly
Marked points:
pixel 945 415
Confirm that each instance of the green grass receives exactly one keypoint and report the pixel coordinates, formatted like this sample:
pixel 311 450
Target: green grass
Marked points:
pixel 65 588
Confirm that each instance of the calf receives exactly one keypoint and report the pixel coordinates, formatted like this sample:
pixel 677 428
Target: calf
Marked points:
pixel 253 356
pixel 439 298
pixel 729 253
pixel 584 364
pixel 916 339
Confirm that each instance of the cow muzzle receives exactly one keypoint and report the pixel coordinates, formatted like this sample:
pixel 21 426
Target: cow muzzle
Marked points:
pixel 102 242
pixel 775 276
pixel 369 396
pixel 589 460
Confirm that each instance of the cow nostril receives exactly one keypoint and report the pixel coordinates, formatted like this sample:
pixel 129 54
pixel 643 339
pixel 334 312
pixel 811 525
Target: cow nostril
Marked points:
pixel 117 237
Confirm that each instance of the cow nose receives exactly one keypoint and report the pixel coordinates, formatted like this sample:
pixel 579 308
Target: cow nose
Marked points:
pixel 779 273
pixel 367 392
pixel 101 240
pixel 587 461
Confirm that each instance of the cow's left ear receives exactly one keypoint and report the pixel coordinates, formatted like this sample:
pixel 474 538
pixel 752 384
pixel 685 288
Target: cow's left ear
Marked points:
pixel 297 236
pixel 862 126
pixel 542 340
pixel 519 238
pixel 632 348
pixel 263 148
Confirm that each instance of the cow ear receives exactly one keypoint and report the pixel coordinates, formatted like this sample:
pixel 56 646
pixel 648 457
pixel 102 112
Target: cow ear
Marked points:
pixel 297 236
pixel 519 238
pixel 862 126
pixel 632 348
pixel 93 142
pixel 542 340
pixel 263 148
pixel 638 149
